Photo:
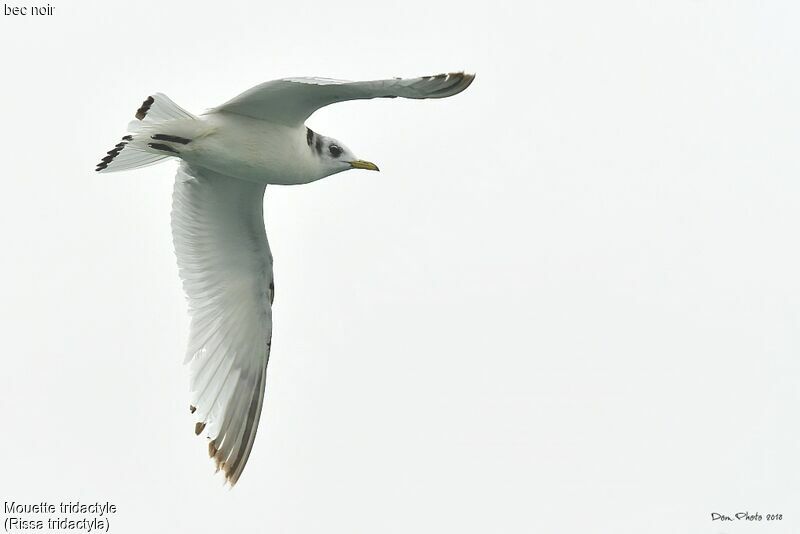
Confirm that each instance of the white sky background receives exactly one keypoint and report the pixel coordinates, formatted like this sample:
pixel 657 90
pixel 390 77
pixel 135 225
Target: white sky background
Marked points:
pixel 569 302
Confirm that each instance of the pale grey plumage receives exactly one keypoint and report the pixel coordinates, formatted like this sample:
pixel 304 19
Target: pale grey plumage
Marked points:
pixel 291 101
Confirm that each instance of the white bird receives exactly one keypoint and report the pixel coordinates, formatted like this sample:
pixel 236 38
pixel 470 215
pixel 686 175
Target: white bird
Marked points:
pixel 229 155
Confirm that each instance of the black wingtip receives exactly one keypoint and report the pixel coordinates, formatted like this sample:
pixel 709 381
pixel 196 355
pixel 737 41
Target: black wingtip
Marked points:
pixel 141 113
pixel 113 153
pixel 171 138
pixel 163 148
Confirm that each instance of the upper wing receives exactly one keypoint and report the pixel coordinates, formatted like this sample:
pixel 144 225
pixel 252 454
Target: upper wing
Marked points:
pixel 291 101
pixel 226 267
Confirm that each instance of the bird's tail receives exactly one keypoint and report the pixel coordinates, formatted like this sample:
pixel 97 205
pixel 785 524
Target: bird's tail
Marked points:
pixel 161 129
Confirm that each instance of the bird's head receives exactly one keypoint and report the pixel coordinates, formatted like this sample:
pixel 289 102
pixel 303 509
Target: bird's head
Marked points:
pixel 333 156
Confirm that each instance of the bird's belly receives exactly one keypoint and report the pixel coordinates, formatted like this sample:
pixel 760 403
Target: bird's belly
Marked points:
pixel 251 150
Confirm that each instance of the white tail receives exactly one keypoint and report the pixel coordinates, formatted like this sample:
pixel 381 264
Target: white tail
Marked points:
pixel 152 138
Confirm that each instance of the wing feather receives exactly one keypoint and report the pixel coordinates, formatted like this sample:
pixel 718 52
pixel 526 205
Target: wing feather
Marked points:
pixel 226 267
pixel 291 101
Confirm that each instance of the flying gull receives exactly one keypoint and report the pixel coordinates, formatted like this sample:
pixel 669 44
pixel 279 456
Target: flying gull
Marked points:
pixel 228 156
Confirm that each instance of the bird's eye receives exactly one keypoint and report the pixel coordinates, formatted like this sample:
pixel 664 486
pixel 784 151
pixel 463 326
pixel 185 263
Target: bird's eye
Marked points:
pixel 335 150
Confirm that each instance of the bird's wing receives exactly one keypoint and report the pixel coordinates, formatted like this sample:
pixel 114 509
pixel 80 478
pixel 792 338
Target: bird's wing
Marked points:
pixel 291 101
pixel 226 267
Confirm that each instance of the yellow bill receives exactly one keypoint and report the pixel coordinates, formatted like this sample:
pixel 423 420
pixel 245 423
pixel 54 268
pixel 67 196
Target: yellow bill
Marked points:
pixel 361 164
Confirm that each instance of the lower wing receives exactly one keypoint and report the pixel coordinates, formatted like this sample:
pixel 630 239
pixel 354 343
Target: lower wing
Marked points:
pixel 226 267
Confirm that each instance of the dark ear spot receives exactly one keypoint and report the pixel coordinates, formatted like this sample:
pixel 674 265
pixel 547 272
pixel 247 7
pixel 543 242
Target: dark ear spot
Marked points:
pixel 335 150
